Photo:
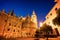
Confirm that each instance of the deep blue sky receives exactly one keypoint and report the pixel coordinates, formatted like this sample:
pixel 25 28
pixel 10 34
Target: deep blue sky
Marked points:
pixel 23 7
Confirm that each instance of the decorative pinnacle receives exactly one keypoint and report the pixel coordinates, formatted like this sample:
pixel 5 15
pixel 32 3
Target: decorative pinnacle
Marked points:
pixel 33 13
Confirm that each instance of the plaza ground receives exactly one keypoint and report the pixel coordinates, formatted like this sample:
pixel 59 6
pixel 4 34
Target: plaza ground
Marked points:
pixel 57 38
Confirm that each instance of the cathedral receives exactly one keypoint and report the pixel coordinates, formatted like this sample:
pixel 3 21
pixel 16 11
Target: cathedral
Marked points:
pixel 12 26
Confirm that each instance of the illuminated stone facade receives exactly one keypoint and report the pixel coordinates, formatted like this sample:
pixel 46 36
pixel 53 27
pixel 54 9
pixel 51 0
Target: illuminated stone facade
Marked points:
pixel 34 18
pixel 52 14
pixel 12 26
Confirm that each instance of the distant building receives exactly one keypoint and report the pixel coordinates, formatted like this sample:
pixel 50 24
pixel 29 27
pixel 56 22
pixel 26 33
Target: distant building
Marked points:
pixel 12 26
pixel 52 14
pixel 34 18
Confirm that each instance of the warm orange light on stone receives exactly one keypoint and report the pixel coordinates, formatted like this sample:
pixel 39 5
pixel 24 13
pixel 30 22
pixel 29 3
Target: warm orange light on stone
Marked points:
pixel 41 24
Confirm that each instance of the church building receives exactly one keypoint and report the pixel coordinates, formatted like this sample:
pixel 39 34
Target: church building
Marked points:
pixel 12 26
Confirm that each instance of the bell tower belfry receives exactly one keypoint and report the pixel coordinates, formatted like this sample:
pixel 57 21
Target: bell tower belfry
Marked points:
pixel 34 18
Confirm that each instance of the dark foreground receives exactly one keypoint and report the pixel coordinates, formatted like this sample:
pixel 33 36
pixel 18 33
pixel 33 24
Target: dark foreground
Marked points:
pixel 57 38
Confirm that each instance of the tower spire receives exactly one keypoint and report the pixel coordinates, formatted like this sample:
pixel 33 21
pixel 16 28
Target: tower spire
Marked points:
pixel 34 18
pixel 28 14
pixel 9 12
pixel 12 13
pixel 33 13
pixel 3 11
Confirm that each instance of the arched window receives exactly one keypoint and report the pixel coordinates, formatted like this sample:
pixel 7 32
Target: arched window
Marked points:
pixel 47 17
pixel 5 20
pixel 55 9
pixel 14 30
pixel 9 24
pixel 8 29
pixel 50 13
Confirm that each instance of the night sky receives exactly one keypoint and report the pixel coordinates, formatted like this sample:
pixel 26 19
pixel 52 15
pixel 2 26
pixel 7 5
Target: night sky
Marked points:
pixel 24 7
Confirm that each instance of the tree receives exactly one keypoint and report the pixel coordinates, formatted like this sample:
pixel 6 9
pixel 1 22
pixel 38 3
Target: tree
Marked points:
pixel 37 34
pixel 46 29
pixel 56 21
